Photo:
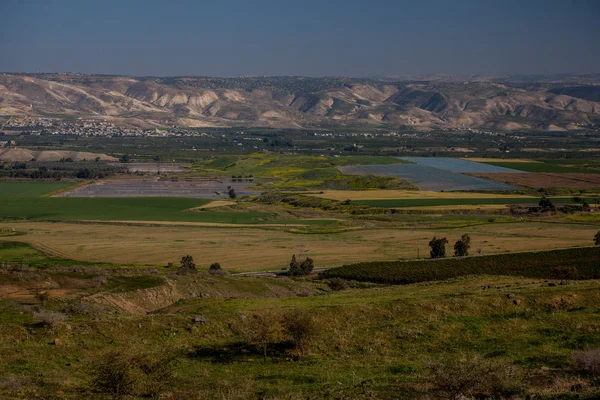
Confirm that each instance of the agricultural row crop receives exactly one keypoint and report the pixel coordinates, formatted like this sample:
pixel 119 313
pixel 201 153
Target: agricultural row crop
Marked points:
pixel 576 263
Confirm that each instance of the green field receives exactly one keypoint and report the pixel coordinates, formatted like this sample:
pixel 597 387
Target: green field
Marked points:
pixel 400 203
pixel 23 200
pixel 286 171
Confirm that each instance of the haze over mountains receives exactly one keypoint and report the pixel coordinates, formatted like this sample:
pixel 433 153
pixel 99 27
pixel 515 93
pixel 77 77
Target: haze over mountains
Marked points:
pixel 559 102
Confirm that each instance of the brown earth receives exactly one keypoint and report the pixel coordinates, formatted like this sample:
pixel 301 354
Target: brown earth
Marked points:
pixel 543 179
pixel 24 155
pixel 295 102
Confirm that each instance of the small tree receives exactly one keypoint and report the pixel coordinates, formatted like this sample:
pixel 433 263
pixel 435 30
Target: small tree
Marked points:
pixel 302 328
pixel 461 247
pixel 597 239
pixel 262 330
pixel 232 194
pixel 546 204
pixel 187 264
pixel 301 268
pixel 438 247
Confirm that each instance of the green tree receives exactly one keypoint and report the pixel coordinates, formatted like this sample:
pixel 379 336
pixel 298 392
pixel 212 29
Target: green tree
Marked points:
pixel 546 204
pixel 187 264
pixel 232 194
pixel 301 268
pixel 438 247
pixel 462 246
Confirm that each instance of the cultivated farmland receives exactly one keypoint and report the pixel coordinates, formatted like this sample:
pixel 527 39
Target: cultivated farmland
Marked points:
pixel 244 248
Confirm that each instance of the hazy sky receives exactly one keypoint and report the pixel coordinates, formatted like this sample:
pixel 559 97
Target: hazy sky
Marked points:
pixel 311 38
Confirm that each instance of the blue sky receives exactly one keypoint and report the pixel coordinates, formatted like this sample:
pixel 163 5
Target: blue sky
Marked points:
pixel 310 38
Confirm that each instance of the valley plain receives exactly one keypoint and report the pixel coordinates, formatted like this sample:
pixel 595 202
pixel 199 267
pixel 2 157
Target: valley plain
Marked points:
pixel 96 230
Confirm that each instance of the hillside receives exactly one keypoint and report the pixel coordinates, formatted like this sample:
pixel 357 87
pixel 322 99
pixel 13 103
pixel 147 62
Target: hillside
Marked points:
pixel 302 102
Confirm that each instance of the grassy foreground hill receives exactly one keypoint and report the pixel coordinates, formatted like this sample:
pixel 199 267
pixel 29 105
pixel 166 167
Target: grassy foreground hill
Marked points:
pixel 189 336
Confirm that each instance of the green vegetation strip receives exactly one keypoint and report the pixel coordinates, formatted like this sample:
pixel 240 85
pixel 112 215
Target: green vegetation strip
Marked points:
pixel 399 203
pixel 577 263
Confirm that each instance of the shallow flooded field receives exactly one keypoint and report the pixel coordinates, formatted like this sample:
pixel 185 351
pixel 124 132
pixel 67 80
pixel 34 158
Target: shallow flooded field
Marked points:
pixel 196 188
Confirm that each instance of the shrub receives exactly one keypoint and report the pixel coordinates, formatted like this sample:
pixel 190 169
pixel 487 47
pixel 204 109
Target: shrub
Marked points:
pixel 337 284
pixel 262 330
pixel 458 378
pixel 115 375
pixel 215 269
pixel 587 362
pixel 302 328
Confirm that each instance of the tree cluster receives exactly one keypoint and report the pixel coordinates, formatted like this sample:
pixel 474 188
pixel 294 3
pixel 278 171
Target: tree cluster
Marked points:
pixel 301 268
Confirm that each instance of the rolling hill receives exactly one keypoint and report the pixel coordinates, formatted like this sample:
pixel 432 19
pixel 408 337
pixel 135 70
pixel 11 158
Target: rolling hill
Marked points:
pixel 302 102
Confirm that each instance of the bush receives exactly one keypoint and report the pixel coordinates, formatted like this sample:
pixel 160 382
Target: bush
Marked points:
pixel 262 330
pixel 115 375
pixel 587 362
pixel 337 284
pixel 215 269
pixel 122 374
pixel 302 328
pixel 458 378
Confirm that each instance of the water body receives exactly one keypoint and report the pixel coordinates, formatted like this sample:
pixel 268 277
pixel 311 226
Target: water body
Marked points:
pixel 428 178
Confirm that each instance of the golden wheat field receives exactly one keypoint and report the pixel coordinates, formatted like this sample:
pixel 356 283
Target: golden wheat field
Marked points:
pixel 257 249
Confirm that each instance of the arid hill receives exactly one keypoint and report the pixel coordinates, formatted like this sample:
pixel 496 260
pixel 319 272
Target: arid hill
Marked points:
pixel 303 102
pixel 24 155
